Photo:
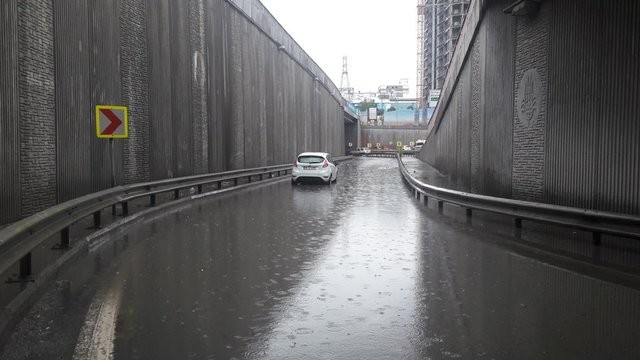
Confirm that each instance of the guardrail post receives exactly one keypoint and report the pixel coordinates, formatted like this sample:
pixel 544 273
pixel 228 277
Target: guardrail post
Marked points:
pixel 249 179
pixel 468 212
pixel 176 194
pixel 125 208
pixel 200 189
pixel 152 200
pixel 64 238
pixel 597 238
pixel 518 223
pixel 235 181
pixel 96 220
pixel 219 185
pixel 440 205
pixel 25 266
pixel 426 200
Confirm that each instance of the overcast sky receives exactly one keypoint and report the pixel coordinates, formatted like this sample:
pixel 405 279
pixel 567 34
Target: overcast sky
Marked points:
pixel 377 36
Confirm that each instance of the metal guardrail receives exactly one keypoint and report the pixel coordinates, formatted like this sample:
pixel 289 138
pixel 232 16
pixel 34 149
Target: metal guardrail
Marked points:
pixel 386 153
pixel 596 222
pixel 20 238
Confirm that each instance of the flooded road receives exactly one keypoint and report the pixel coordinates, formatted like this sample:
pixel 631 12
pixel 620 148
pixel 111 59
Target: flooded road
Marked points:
pixel 355 270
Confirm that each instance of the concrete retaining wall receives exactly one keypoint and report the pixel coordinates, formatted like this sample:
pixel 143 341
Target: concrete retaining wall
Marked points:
pixel 210 85
pixel 544 107
pixel 389 136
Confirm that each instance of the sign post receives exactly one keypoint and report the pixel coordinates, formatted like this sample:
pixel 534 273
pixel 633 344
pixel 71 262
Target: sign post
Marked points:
pixel 373 114
pixel 112 122
pixel 434 96
pixel 113 164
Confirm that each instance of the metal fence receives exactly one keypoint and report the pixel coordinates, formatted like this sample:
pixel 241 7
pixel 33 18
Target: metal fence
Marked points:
pixel 596 222
pixel 20 239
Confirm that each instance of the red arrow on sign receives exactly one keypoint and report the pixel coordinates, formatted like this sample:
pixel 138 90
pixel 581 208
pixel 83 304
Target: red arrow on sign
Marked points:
pixel 115 122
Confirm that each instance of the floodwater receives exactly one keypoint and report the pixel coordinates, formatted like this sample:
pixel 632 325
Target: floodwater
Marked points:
pixel 355 270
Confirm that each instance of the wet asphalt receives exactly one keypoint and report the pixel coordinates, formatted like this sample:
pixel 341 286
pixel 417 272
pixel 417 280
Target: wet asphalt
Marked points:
pixel 356 270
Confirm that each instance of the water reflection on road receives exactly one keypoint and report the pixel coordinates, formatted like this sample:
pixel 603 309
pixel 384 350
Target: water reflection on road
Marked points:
pixel 359 300
pixel 355 270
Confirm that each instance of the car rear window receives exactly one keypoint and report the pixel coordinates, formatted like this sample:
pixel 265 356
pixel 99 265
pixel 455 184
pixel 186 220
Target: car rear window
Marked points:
pixel 310 159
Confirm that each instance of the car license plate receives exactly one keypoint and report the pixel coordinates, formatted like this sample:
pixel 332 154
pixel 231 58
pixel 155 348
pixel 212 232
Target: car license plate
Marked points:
pixel 308 167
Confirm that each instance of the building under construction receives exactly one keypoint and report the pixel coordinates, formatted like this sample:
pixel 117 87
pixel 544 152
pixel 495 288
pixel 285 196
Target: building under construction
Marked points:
pixel 439 25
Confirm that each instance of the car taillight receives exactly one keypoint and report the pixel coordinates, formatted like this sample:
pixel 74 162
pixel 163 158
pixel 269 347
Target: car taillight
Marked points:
pixel 295 163
pixel 325 164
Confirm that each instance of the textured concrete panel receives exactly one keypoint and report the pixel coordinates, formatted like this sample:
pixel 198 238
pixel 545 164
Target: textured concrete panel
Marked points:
pixel 135 89
pixel 199 75
pixel 161 152
pixel 592 152
pixel 218 95
pixel 37 107
pixel 477 121
pixel 496 101
pixel 74 120
pixel 9 113
pixel 251 77
pixel 270 89
pixel 237 31
pixel 104 79
pixel 180 55
pixel 530 106
pixel 463 133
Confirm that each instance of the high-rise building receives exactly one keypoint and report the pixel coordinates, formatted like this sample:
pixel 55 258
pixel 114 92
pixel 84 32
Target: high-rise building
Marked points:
pixel 420 63
pixel 442 22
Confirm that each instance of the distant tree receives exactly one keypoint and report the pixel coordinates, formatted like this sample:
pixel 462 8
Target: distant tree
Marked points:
pixel 392 108
pixel 410 107
pixel 365 105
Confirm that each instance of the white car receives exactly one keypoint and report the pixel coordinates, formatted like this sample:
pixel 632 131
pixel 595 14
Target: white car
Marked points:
pixel 314 166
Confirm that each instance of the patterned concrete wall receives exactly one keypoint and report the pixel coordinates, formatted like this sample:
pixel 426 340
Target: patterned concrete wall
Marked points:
pixel 37 125
pixel 544 107
pixel 530 106
pixel 472 140
pixel 134 72
pixel 210 85
pixel 10 207
pixel 592 137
